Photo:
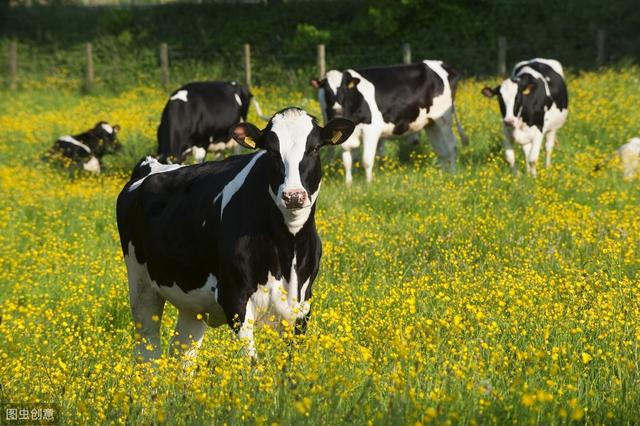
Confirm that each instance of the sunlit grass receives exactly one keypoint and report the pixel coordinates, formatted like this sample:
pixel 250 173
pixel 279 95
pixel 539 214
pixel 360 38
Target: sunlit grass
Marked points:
pixel 467 298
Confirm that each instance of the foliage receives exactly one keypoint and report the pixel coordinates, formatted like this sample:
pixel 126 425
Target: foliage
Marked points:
pixel 464 298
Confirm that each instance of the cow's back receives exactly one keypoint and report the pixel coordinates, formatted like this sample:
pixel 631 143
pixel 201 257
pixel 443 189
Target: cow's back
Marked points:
pixel 553 73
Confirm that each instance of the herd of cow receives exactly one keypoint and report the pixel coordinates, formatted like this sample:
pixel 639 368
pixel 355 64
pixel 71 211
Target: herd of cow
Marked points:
pixel 234 241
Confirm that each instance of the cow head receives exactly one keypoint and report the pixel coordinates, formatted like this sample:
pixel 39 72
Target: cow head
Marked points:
pixel 292 140
pixel 107 136
pixel 512 93
pixel 328 94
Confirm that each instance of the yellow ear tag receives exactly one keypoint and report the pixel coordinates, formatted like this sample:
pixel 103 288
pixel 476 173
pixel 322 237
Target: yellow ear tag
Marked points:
pixel 336 137
pixel 526 90
pixel 249 142
pixel 351 85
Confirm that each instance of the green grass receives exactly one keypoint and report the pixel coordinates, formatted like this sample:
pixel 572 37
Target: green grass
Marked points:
pixel 473 297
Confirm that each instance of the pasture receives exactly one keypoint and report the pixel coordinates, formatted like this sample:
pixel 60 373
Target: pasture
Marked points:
pixel 474 297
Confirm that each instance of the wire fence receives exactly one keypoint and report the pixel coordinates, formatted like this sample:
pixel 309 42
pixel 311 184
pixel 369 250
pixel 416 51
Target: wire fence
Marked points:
pixel 105 66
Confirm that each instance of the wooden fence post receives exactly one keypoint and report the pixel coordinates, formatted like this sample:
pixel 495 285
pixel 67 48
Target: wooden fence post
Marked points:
pixel 601 40
pixel 13 65
pixel 164 64
pixel 88 84
pixel 246 62
pixel 502 56
pixel 322 65
pixel 406 53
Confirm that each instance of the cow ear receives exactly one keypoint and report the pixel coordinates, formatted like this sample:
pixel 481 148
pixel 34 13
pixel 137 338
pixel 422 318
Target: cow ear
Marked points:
pixel 315 83
pixel 353 82
pixel 337 131
pixel 247 135
pixel 488 92
pixel 116 128
pixel 526 91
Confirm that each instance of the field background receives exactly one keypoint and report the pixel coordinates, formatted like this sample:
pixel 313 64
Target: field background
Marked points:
pixel 464 298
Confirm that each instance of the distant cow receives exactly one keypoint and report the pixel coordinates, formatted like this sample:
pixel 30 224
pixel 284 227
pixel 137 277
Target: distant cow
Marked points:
pixel 630 157
pixel 198 117
pixel 393 101
pixel 534 105
pixel 231 241
pixel 87 148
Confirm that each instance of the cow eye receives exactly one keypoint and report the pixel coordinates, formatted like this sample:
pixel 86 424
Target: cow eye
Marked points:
pixel 313 150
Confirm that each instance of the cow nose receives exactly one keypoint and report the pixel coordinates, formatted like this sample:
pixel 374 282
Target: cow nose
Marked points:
pixel 509 122
pixel 294 199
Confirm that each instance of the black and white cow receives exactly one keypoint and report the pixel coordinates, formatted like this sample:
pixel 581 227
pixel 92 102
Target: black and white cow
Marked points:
pixel 393 101
pixel 87 148
pixel 230 242
pixel 198 117
pixel 534 105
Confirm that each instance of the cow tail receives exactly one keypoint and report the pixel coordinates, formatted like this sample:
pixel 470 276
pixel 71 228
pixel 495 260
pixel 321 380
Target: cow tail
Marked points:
pixel 256 105
pixel 463 136
pixel 454 77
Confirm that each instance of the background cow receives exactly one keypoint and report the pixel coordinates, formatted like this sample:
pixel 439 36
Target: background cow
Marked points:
pixel 393 101
pixel 198 117
pixel 232 241
pixel 534 105
pixel 87 148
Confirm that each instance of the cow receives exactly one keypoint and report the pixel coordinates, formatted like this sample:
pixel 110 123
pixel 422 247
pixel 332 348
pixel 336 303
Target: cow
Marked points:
pixel 87 148
pixel 629 154
pixel 197 118
pixel 227 242
pixel 534 105
pixel 393 101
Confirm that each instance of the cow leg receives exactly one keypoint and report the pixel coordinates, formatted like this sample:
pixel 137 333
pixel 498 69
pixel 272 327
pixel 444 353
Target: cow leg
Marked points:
pixel 188 335
pixel 533 154
pixel 550 140
pixel 146 308
pixel 347 160
pixel 509 154
pixel 370 140
pixel 443 142
pixel 245 331
pixel 199 154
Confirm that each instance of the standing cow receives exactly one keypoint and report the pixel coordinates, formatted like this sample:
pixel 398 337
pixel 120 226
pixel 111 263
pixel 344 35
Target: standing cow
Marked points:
pixel 198 117
pixel 534 105
pixel 87 148
pixel 230 242
pixel 393 101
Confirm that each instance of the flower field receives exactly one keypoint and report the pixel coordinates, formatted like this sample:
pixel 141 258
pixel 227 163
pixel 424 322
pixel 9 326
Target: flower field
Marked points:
pixel 466 298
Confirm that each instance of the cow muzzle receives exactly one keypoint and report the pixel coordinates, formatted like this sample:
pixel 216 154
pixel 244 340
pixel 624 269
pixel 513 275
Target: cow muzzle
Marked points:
pixel 294 199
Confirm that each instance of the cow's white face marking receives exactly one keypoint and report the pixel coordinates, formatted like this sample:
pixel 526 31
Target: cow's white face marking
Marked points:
pixel 238 100
pixel 508 91
pixel 236 183
pixel 292 128
pixel 156 167
pixel 107 128
pixel 75 142
pixel 92 166
pixel 180 95
pixel 334 79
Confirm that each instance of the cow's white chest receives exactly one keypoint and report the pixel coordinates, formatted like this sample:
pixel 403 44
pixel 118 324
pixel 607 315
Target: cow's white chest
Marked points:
pixel 523 134
pixel 92 166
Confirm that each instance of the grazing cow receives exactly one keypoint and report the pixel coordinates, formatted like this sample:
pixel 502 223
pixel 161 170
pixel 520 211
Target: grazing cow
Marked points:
pixel 232 241
pixel 534 105
pixel 393 101
pixel 198 117
pixel 87 148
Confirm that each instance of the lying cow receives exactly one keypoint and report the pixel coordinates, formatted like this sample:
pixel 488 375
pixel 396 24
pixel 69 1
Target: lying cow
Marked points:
pixel 198 117
pixel 534 105
pixel 392 101
pixel 230 242
pixel 87 148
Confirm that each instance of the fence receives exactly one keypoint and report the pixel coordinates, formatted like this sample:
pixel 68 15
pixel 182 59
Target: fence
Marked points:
pixel 165 55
